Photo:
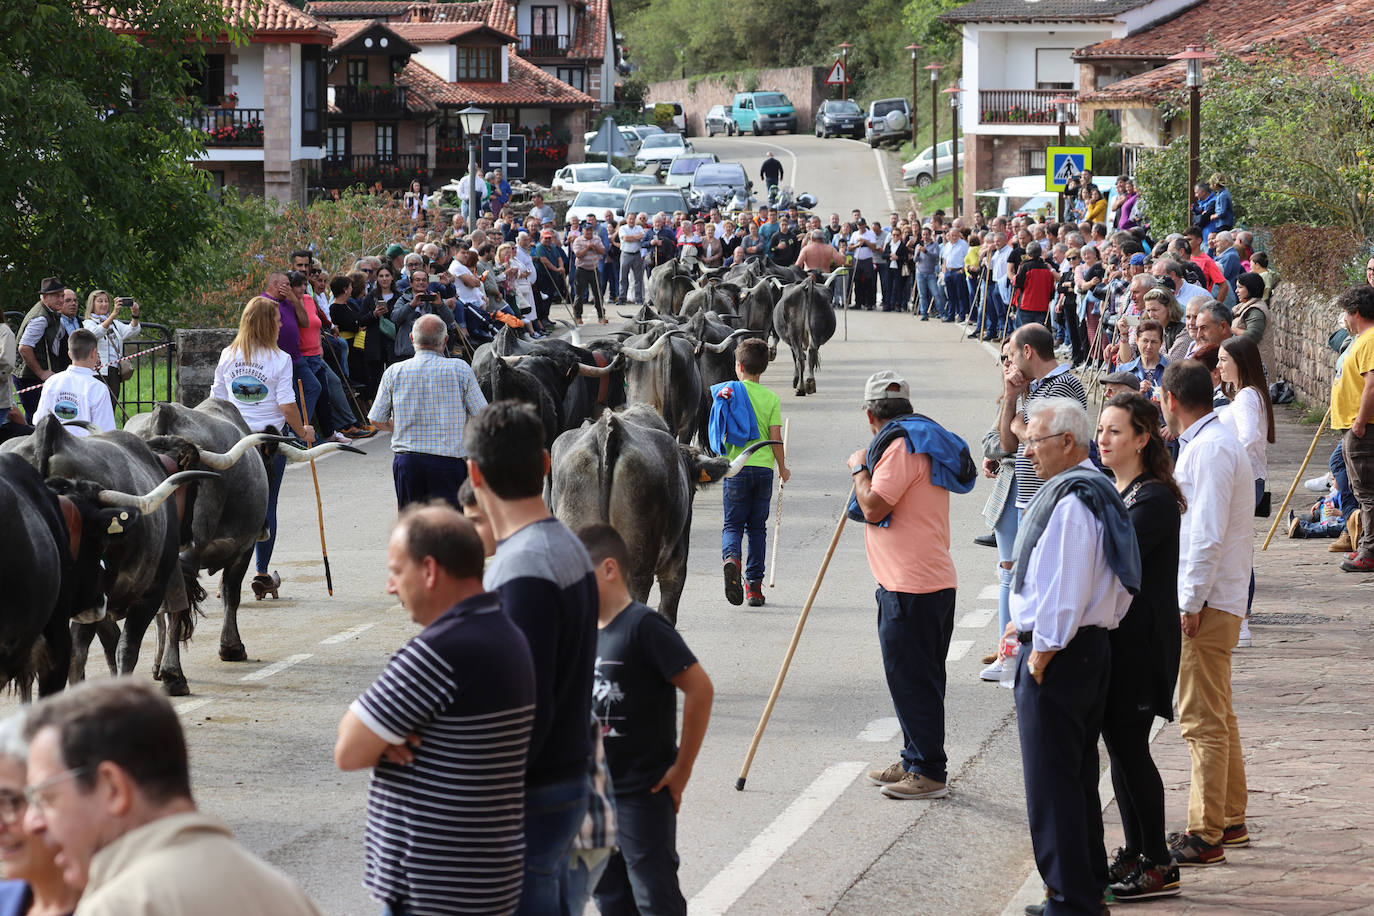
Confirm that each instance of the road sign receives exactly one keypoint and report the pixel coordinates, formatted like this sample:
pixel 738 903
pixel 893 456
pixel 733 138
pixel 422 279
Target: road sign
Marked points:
pixel 1064 162
pixel 508 155
pixel 837 76
pixel 500 131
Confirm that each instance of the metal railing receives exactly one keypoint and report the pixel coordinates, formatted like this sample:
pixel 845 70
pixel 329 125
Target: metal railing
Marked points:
pixel 370 101
pixel 1022 106
pixel 229 126
pixel 544 45
pixel 395 171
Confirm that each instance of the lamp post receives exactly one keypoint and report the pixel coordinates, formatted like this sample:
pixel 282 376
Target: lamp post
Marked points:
pixel 914 49
pixel 1196 56
pixel 934 71
pixel 474 121
pixel 844 65
pixel 1061 105
pixel 953 93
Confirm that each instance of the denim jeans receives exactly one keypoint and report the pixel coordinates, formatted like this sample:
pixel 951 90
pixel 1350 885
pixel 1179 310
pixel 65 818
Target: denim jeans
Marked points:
pixel 913 634
pixel 309 373
pixel 1344 495
pixel 553 815
pixel 585 869
pixel 631 266
pixel 641 876
pixel 1007 524
pixel 956 291
pixel 994 313
pixel 928 291
pixel 747 497
pixel 263 549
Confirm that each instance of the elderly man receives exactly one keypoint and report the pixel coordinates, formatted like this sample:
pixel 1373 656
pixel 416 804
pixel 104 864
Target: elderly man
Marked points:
pixel 110 786
pixel 1171 270
pixel 77 393
pixel 43 340
pixel 1186 343
pixel 1076 566
pixel 1227 258
pixel 1213 324
pixel 426 403
pixel 587 250
pixel 631 238
pixel 1215 553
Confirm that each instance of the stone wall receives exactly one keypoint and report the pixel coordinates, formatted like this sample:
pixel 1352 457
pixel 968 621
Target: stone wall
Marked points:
pixel 805 86
pixel 1301 322
pixel 197 355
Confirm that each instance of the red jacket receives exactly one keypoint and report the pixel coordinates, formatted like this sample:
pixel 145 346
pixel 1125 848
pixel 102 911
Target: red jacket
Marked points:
pixel 1034 286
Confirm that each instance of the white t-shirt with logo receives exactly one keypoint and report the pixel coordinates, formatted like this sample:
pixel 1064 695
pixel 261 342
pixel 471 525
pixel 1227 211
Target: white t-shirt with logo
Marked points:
pixel 77 394
pixel 258 388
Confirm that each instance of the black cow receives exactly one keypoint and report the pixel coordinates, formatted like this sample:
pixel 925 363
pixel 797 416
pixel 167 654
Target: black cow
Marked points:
pixel 805 320
pixel 715 347
pixel 668 285
pixel 565 383
pixel 661 371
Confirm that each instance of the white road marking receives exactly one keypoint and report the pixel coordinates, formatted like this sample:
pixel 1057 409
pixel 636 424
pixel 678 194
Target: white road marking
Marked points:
pixel 958 648
pixel 796 173
pixel 989 592
pixel 977 619
pixel 275 668
pixel 882 176
pixel 191 706
pixel 992 348
pixel 754 860
pixel 346 635
pixel 880 730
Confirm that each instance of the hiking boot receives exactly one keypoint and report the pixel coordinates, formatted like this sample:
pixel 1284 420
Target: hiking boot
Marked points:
pixel 915 786
pixel 1147 882
pixel 753 592
pixel 1342 543
pixel 1235 836
pixel 1358 563
pixel 894 773
pixel 1195 852
pixel 1124 864
pixel 734 586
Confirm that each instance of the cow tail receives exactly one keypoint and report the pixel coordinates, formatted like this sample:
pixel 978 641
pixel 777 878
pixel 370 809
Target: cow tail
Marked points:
pixel 195 594
pixel 610 454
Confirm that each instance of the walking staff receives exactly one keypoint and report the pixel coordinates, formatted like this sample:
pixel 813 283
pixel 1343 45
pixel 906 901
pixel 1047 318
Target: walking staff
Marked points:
pixel 777 523
pixel 319 509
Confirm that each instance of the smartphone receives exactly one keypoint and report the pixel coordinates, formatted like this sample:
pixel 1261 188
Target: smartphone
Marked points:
pixel 1132 320
pixel 124 301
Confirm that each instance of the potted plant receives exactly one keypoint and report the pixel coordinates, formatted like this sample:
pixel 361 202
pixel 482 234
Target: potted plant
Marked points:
pixel 229 100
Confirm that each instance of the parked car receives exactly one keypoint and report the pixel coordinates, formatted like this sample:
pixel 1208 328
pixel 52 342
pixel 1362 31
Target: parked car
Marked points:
pixel 888 119
pixel 763 112
pixel 719 121
pixel 679 120
pixel 656 199
pixel 596 203
pixel 921 171
pixel 627 134
pixel 626 180
pixel 660 149
pixel 643 130
pixel 1023 194
pixel 840 117
pixel 716 183
pixel 680 170
pixel 584 176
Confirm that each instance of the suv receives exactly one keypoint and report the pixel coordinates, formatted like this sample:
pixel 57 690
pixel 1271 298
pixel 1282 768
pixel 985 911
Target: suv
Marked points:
pixel 653 199
pixel 763 112
pixel 838 117
pixel 888 119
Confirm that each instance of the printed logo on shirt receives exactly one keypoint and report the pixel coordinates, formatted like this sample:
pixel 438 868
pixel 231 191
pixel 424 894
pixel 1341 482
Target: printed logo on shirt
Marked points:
pixel 605 694
pixel 248 390
pixel 67 407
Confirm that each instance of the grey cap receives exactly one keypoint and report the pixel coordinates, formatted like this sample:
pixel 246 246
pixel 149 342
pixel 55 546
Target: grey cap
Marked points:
pixel 886 384
pixel 1122 378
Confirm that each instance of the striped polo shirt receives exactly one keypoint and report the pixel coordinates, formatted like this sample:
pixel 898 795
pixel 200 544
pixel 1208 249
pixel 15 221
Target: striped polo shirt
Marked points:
pixel 1060 383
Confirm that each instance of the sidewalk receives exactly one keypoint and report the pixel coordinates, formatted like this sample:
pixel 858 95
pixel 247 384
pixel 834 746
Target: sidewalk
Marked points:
pixel 1303 696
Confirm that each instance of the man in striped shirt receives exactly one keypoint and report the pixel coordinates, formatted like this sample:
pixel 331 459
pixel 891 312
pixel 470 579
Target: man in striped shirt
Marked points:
pixel 446 730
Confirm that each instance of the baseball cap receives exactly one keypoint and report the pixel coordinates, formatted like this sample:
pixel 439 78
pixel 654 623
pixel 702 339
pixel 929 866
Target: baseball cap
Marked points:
pixel 1122 378
pixel 1137 259
pixel 886 384
pixel 394 249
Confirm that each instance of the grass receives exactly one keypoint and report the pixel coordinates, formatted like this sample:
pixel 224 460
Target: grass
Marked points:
pixel 148 384
pixel 934 196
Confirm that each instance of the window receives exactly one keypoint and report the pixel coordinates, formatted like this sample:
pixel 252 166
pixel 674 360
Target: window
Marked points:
pixel 478 65
pixel 336 141
pixel 1054 68
pixel 209 81
pixel 573 76
pixel 386 142
pixel 314 95
pixel 543 20
pixel 356 71
pixel 1032 161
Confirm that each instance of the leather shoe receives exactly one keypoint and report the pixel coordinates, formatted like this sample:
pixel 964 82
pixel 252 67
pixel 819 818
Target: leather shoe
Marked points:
pixel 986 540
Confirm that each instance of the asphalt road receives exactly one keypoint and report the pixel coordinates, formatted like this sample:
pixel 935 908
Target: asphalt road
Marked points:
pixel 808 834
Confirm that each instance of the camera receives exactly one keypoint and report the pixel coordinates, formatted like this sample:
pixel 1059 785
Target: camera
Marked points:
pixel 426 297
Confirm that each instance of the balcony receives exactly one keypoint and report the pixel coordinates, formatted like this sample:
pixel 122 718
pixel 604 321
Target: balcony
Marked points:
pixel 1022 106
pixel 230 127
pixel 395 171
pixel 544 45
pixel 370 101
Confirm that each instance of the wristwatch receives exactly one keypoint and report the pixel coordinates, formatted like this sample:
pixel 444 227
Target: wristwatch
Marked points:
pixel 1032 670
pixel 857 471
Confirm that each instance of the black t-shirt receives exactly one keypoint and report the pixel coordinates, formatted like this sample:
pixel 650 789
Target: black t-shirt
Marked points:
pixel 786 255
pixel 1014 260
pixel 637 656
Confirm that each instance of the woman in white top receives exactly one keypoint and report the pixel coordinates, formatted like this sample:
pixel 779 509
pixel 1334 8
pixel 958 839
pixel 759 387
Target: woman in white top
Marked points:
pixel 524 276
pixel 254 375
pixel 102 320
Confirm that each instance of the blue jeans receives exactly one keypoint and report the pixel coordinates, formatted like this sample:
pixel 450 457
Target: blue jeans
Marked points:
pixel 1007 524
pixel 747 497
pixel 913 634
pixel 956 290
pixel 263 549
pixel 641 876
pixel 928 291
pixel 994 313
pixel 585 869
pixel 310 372
pixel 553 815
pixel 1344 495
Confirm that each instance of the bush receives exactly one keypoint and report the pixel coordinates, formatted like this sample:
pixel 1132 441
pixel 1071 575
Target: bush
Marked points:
pixel 663 115
pixel 1324 258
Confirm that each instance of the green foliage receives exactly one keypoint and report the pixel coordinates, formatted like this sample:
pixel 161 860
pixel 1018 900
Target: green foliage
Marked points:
pixel 1105 139
pixel 96 179
pixel 633 92
pixel 663 115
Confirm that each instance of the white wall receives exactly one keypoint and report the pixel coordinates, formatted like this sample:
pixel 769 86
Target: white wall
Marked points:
pixel 441 58
pixel 297 150
pixel 522 16
pixel 248 72
pixel 1141 126
pixel 1004 58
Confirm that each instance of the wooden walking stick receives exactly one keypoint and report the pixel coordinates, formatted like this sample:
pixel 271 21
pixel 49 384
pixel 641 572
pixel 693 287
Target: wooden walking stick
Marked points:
pixel 319 505
pixel 1321 428
pixel 777 522
pixel 792 647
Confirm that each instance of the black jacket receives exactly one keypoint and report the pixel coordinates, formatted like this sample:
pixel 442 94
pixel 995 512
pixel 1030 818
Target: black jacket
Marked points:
pixel 771 171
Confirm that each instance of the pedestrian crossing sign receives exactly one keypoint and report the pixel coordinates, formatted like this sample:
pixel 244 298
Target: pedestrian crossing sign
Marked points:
pixel 1064 162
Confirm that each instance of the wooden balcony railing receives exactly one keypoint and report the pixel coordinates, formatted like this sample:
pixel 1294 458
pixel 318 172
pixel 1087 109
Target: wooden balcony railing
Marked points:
pixel 371 101
pixel 1022 106
pixel 240 127
pixel 395 171
pixel 544 45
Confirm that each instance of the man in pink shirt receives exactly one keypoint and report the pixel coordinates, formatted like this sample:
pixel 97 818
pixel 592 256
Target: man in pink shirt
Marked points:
pixel 907 539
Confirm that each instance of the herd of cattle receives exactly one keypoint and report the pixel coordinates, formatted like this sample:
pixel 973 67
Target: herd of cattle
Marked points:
pixel 114 527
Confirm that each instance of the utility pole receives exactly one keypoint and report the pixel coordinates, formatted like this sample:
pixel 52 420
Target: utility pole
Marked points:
pixel 915 102
pixel 934 71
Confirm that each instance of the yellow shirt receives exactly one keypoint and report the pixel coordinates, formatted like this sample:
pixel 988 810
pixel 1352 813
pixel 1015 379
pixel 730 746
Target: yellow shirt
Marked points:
pixel 1348 388
pixel 971 259
pixel 1097 212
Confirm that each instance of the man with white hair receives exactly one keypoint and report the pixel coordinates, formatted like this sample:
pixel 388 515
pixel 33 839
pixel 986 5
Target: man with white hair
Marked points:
pixel 1076 566
pixel 1226 256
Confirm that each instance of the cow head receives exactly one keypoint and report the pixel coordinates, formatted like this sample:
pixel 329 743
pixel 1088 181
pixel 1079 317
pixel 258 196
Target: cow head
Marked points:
pixel 98 537
pixel 707 469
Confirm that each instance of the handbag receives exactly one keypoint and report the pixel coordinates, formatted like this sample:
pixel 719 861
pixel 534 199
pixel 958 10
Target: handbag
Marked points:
pixel 387 327
pixel 1264 506
pixel 1281 392
pixel 126 371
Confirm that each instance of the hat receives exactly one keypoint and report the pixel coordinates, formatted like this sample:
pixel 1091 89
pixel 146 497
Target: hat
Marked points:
pixel 51 285
pixel 886 384
pixel 1137 259
pixel 548 221
pixel 1122 378
pixel 394 249
pixel 546 234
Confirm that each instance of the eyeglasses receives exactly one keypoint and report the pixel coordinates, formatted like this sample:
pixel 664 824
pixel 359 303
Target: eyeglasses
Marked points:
pixel 1038 439
pixel 37 794
pixel 12 806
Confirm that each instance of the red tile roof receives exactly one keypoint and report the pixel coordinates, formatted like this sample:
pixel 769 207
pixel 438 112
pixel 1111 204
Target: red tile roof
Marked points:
pixel 528 85
pixel 269 20
pixel 431 32
pixel 499 14
pixel 328 9
pixel 589 42
pixel 345 30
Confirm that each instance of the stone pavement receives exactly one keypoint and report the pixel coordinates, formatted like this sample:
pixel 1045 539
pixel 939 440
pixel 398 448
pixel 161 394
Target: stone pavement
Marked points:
pixel 1303 697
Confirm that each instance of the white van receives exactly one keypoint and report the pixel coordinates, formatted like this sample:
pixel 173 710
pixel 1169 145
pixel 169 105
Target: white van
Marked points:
pixel 1026 194
pixel 679 121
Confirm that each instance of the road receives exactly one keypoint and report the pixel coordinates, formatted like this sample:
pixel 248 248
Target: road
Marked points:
pixel 808 834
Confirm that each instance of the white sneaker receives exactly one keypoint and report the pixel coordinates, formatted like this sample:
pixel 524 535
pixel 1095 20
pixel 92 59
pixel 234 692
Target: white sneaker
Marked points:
pixel 341 439
pixel 1243 641
pixel 1320 484
pixel 992 672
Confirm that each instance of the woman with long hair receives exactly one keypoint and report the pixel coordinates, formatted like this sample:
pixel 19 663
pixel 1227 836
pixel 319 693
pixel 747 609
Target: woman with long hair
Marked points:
pixel 102 320
pixel 378 349
pixel 1146 645
pixel 254 375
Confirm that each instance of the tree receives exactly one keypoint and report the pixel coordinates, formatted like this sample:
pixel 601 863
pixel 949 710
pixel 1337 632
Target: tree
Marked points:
pixel 95 145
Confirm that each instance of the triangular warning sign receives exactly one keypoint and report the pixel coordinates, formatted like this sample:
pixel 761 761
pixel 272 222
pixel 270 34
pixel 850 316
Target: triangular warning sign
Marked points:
pixel 837 75
pixel 1067 169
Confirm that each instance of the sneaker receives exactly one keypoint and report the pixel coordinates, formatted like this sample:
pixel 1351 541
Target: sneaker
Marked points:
pixel 915 787
pixel 1294 526
pixel 1358 563
pixel 1124 864
pixel 1195 852
pixel 1147 882
pixel 1243 640
pixel 734 586
pixel 1320 484
pixel 992 672
pixel 341 439
pixel 753 593
pixel 886 777
pixel 1235 836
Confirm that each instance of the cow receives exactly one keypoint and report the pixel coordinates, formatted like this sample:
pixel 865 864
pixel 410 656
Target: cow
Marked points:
pixel 722 298
pixel 715 347
pixel 668 285
pixel 566 384
pixel 629 471
pixel 661 371
pixel 805 320
pixel 755 309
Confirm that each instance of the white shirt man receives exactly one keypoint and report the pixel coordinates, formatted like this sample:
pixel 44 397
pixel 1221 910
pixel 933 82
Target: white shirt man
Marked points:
pixel 861 251
pixel 76 393
pixel 954 250
pixel 998 264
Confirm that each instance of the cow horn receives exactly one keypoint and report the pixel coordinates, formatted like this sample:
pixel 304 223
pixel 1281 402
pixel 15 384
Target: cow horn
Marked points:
pixel 512 361
pixel 297 455
pixel 598 371
pixel 775 283
pixel 738 464
pixel 641 355
pixel 724 345
pixel 159 494
pixel 222 461
pixel 84 424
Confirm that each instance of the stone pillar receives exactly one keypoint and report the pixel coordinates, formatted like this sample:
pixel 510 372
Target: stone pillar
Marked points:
pixel 278 123
pixel 977 169
pixel 198 352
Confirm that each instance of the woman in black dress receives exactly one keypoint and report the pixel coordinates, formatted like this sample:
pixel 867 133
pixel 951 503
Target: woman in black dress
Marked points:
pixel 1145 647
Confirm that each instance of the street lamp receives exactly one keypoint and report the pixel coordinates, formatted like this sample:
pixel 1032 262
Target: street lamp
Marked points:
pixel 953 93
pixel 934 71
pixel 1061 105
pixel 914 49
pixel 844 65
pixel 1196 56
pixel 473 121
